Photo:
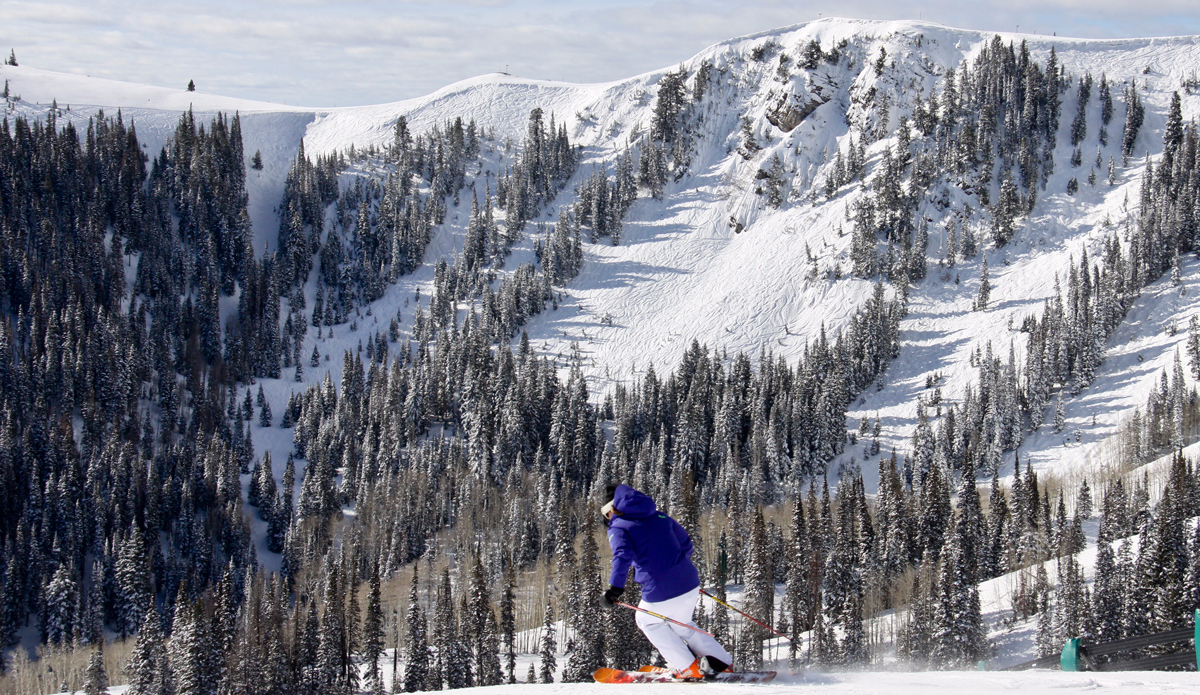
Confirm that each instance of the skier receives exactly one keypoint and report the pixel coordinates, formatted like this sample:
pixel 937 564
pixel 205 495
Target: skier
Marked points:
pixel 660 550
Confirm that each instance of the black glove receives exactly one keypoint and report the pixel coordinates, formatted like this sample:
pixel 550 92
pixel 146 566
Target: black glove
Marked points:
pixel 610 597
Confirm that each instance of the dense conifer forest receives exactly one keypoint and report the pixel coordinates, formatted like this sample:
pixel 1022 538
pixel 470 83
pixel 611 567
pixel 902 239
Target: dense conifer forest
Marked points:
pixel 440 496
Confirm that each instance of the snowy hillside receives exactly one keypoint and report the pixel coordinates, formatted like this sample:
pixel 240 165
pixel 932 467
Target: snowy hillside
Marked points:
pixel 726 282
pixel 685 272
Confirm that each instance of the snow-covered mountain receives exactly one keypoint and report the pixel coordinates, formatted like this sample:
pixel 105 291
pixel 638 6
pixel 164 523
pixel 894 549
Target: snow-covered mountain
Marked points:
pixel 712 261
pixel 786 180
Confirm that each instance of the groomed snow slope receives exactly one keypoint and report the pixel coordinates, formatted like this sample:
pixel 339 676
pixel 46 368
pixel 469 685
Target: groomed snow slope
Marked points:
pixel 683 273
pixel 813 683
pixel 976 683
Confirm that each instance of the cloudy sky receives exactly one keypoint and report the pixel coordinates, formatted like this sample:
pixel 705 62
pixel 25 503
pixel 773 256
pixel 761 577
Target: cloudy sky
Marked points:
pixel 348 52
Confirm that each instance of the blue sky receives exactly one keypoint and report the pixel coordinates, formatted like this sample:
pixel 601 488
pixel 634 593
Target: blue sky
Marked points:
pixel 347 52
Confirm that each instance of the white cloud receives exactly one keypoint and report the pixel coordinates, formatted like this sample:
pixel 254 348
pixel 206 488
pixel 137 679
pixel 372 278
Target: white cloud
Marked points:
pixel 327 52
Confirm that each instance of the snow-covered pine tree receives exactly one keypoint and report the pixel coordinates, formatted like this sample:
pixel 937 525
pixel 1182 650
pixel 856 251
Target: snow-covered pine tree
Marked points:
pixel 1107 606
pixel 959 637
pixel 1192 597
pixel 147 668
pixel 796 596
pixel 759 598
pixel 133 577
pixel 1047 639
pixel 1135 114
pixel 985 288
pixel 1164 553
pixel 417 657
pixel 1193 346
pixel 479 623
pixel 96 682
pixel 508 624
pixel 993 557
pixel 774 186
pixel 59 597
pixel 971 524
pixel 372 634
pixel 624 645
pixel 332 637
pixel 454 657
pixel 1113 514
pixel 1138 595
pixel 1079 125
pixel 277 667
pixel 281 510
pixel 308 642
pixel 720 618
pixel 1070 600
pixel 549 646
pixel 936 513
pixel 188 649
pixel 1083 500
pixel 915 640
pixel 840 567
pixel 589 641
pixel 855 649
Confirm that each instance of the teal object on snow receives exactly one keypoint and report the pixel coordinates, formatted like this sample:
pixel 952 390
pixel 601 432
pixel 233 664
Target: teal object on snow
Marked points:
pixel 1070 655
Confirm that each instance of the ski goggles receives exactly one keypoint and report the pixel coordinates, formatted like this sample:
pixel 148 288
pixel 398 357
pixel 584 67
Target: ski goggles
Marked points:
pixel 607 510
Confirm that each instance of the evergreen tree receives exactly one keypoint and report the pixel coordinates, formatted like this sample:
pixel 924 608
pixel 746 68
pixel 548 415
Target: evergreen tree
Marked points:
pixel 480 622
pixel 331 642
pixel 774 185
pixel 1164 553
pixel 147 667
pixel 760 592
pixel 452 663
pixel 985 289
pixel 417 659
pixel 1047 639
pixel 58 605
pixel 589 641
pixel 1135 113
pixel 133 578
pixel 797 601
pixel 1193 573
pixel 1007 209
pixel 548 647
pixel 508 624
pixel 960 638
pixel 187 650
pixel 1193 346
pixel 854 641
pixel 372 648
pixel 1070 600
pixel 918 640
pixel 1106 597
pixel 97 679
pixel 624 645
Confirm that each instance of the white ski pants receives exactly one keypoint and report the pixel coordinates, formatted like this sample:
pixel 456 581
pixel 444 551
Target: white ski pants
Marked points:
pixel 678 645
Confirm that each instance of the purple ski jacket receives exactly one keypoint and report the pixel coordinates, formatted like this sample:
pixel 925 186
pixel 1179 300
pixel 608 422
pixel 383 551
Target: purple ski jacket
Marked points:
pixel 654 543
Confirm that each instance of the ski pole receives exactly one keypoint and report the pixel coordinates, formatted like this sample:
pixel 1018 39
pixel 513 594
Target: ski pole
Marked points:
pixel 746 614
pixel 663 617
